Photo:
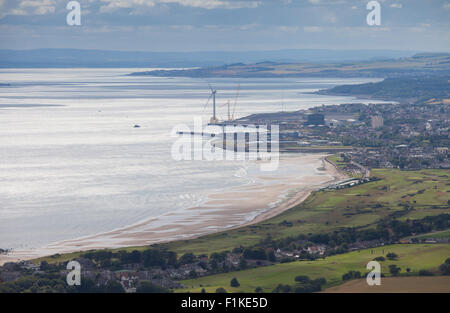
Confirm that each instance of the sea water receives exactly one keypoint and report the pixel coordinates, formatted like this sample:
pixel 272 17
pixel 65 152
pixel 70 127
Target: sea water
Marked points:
pixel 72 162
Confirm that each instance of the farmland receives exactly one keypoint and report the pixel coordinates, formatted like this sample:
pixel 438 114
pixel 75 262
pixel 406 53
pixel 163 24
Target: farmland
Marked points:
pixel 412 256
pixel 425 192
pixel 396 284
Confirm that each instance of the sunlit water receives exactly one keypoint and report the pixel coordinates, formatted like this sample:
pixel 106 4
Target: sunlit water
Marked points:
pixel 72 163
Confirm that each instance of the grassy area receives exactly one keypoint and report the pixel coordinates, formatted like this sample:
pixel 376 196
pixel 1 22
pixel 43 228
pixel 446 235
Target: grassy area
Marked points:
pixel 422 284
pixel 439 234
pixel 426 191
pixel 413 256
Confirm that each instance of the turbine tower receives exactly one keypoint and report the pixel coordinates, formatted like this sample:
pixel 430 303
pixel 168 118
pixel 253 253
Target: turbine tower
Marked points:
pixel 213 94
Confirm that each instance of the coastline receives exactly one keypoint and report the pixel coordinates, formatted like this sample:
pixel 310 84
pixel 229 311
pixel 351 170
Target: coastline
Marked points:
pixel 224 211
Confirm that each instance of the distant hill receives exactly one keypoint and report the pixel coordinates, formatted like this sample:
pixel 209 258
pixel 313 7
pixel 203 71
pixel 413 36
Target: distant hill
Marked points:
pixel 68 58
pixel 404 89
pixel 417 65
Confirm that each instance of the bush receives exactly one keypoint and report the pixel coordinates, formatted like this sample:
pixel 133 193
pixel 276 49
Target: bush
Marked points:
pixel 238 250
pixel 307 285
pixel 380 259
pixel 147 287
pixel 258 290
pixel 391 256
pixel 282 289
pixel 394 269
pixel 302 279
pixel 234 282
pixel 444 269
pixel 221 290
pixel 271 256
pixel 243 264
pixel 256 254
pixel 193 274
pixel 152 257
pixel 187 258
pixel 351 275
pixel 425 273
pixel 114 287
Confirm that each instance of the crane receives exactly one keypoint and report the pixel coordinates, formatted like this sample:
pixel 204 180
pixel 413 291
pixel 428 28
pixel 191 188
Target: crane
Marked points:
pixel 235 101
pixel 212 95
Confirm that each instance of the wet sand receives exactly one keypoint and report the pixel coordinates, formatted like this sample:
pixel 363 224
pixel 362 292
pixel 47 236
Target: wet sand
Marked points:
pixel 237 207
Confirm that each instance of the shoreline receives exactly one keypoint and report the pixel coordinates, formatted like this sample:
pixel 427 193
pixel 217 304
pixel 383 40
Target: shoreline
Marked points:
pixel 224 211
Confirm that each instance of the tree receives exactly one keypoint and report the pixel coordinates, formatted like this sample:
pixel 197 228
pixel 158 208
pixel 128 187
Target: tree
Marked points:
pixel 302 279
pixel 221 290
pixel 256 254
pixel 234 282
pixel 147 287
pixel 152 257
pixel 445 268
pixel 187 258
pixel 44 266
pixel 282 289
pixel 135 257
pixel 351 275
pixel 243 264
pixel 258 290
pixel 425 273
pixel 114 286
pixel 391 256
pixel 172 259
pixel 271 256
pixel 394 269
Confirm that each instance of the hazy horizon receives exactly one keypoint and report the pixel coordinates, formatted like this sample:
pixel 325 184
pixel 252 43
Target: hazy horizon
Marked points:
pixel 64 58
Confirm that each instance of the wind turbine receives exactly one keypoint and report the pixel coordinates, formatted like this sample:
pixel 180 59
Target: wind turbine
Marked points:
pixel 213 95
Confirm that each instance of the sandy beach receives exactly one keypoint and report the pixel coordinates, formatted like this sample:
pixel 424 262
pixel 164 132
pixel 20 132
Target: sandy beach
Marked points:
pixel 232 208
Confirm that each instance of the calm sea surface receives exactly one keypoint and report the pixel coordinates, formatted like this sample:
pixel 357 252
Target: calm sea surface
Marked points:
pixel 73 164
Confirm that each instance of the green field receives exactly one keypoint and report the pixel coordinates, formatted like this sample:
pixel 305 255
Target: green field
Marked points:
pixel 413 256
pixel 421 284
pixel 426 192
pixel 439 234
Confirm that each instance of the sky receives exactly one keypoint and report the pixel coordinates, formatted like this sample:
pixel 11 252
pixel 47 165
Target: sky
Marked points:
pixel 226 25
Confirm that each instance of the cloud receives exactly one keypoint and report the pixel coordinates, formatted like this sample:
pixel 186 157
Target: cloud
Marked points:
pixel 396 5
pixel 446 6
pixel 312 29
pixel 27 7
pixel 113 5
pixel 288 29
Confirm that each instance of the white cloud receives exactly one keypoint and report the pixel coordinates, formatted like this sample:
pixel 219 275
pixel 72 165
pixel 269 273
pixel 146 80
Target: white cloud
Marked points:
pixel 29 7
pixel 113 5
pixel 446 6
pixel 312 29
pixel 288 29
pixel 396 5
